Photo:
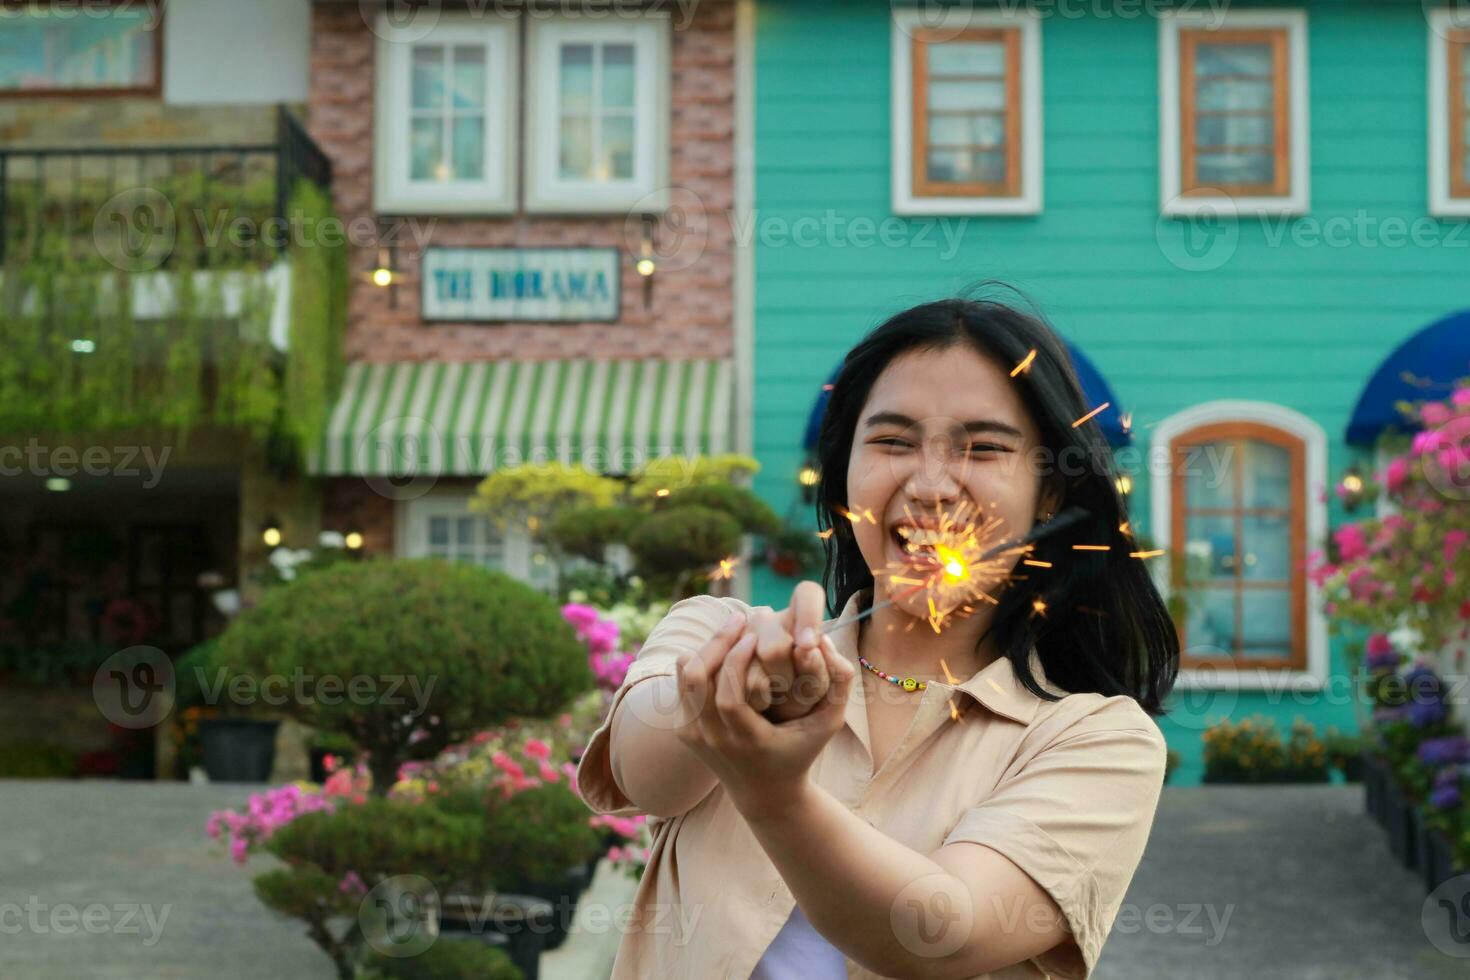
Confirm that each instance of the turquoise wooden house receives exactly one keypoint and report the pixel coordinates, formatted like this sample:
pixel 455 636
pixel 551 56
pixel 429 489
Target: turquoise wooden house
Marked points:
pixel 1251 223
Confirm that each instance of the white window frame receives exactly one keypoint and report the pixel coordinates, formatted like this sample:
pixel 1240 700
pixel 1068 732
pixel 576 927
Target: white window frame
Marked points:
pixel 393 191
pixel 411 538
pixel 1161 514
pixel 1171 201
pixel 905 22
pixel 647 192
pixel 1442 202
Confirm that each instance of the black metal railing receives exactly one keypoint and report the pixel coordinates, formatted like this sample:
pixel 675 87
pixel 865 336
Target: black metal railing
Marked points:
pixel 142 207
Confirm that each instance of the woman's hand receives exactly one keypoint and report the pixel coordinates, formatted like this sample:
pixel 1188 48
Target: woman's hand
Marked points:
pixel 758 762
pixel 788 674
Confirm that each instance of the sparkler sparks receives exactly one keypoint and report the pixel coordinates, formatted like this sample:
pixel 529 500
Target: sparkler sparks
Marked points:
pixel 959 562
pixel 1090 414
pixel 725 569
pixel 1025 363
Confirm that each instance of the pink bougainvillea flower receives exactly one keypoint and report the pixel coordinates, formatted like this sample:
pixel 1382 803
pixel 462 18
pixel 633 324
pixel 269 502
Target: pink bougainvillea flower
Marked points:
pixel 1351 543
pixel 1461 398
pixel 1397 474
pixel 537 749
pixel 1454 542
pixel 1435 413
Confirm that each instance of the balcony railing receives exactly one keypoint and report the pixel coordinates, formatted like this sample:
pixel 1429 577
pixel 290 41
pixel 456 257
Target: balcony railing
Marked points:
pixel 152 207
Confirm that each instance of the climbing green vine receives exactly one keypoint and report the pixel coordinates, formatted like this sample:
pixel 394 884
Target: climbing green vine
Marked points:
pixel 93 343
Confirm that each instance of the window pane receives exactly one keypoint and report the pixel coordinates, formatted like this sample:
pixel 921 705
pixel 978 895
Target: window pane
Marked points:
pixel 1266 543
pixel 617 148
pixel 576 147
pixel 427 149
pixel 1209 475
pixel 1235 96
pixel 438 532
pixel 1234 168
pixel 966 166
pixel 44 49
pixel 469 78
pixel 987 131
pixel 1267 480
pixel 967 95
pixel 617 76
pixel 967 58
pixel 428 78
pixel 464 531
pixel 469 148
pixel 576 77
pixel 1209 546
pixel 1211 619
pixel 1232 59
pixel 1265 623
pixel 1253 131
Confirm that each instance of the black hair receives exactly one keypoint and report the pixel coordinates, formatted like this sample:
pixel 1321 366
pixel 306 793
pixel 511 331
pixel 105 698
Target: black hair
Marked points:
pixel 1106 628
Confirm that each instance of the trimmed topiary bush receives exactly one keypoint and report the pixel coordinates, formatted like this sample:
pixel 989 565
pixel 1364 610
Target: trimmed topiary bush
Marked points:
pixel 404 656
pixel 752 513
pixel 448 959
pixel 534 836
pixel 674 546
pixel 587 531
pixel 335 858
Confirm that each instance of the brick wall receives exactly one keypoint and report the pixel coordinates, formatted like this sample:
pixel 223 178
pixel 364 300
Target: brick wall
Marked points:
pixel 691 310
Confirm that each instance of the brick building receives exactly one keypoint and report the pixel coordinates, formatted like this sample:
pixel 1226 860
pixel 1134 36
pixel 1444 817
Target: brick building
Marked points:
pixel 555 276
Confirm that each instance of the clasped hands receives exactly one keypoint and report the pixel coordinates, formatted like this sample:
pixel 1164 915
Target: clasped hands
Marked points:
pixel 763 696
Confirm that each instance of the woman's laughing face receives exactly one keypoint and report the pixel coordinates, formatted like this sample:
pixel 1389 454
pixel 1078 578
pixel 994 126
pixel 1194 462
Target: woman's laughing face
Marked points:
pixel 943 434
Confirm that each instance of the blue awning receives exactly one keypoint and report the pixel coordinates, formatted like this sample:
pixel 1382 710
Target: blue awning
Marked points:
pixel 1423 368
pixel 1094 389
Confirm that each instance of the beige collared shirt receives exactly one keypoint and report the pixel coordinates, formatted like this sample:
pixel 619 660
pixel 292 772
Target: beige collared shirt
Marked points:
pixel 1065 789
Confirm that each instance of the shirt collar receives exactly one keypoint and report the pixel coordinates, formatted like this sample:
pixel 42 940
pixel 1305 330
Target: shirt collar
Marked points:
pixel 995 685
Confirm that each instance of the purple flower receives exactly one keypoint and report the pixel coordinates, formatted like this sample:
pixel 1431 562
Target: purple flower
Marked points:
pixel 1444 751
pixel 1427 713
pixel 1445 798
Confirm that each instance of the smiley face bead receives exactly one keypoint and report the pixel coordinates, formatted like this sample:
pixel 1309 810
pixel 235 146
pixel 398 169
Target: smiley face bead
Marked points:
pixel 909 684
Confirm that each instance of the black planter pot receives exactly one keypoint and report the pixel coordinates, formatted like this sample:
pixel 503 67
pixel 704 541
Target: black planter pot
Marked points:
pixel 1421 842
pixel 238 750
pixel 1354 768
pixel 1399 823
pixel 517 923
pixel 1438 861
pixel 562 895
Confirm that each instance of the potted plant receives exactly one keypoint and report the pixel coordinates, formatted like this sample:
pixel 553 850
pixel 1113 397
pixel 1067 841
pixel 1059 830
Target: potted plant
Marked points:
pixel 792 551
pixel 449 649
pixel 237 743
pixel 537 835
pixel 1345 753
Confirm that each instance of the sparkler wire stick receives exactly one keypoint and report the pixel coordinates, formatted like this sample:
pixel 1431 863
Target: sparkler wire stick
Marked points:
pixel 1063 520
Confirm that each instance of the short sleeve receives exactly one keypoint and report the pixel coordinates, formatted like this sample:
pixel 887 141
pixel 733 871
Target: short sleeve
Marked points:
pixel 685 628
pixel 1076 819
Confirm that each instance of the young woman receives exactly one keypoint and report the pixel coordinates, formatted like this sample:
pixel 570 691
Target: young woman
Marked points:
pixel 894 799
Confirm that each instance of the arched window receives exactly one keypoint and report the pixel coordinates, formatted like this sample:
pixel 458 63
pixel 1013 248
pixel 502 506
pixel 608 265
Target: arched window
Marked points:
pixel 1236 507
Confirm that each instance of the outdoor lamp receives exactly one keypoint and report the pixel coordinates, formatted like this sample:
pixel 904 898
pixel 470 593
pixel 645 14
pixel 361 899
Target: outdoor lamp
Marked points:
pixel 808 477
pixel 353 540
pixel 646 265
pixel 270 532
pixel 1351 489
pixel 385 273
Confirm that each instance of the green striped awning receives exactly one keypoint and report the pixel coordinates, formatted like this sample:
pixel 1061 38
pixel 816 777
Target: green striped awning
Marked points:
pixel 466 419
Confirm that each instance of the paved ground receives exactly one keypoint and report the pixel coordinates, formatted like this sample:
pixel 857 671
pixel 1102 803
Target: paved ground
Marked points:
pixel 1303 874
pixel 1298 880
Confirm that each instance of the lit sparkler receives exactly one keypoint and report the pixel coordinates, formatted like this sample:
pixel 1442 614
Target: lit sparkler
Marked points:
pixel 958 562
